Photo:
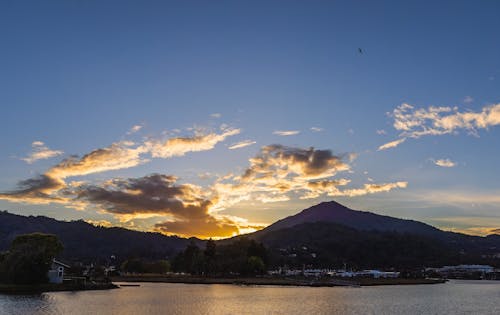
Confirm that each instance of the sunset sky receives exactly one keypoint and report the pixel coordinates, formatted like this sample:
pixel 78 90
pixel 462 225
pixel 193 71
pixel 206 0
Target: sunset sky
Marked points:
pixel 214 118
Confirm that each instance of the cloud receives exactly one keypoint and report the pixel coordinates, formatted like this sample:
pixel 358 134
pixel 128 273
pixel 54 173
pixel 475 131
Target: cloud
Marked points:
pixel 373 188
pixel 216 115
pixel 381 132
pixel 134 129
pixel 149 194
pixel 468 100
pixel 391 144
pixel 279 173
pixel 159 195
pixel 283 161
pixel 241 144
pixel 476 230
pixel 286 132
pixel 117 156
pixel 207 227
pixel 98 223
pixel 445 163
pixel 316 129
pixel 40 152
pixel 415 123
pixel 182 145
pixel 37 190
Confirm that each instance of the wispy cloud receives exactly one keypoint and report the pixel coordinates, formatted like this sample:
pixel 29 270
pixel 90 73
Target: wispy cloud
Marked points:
pixel 216 115
pixel 40 152
pixel 119 155
pixel 316 129
pixel 391 144
pixel 416 123
pixel 181 145
pixel 286 132
pixel 374 188
pixel 468 100
pixel 134 129
pixel 241 144
pixel 381 132
pixel 435 121
pixel 445 163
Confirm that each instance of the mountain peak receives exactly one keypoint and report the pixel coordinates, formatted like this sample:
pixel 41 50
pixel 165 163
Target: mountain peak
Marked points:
pixel 334 212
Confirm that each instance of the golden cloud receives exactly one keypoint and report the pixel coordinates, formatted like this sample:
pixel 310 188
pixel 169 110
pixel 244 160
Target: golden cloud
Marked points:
pixel 182 145
pixel 40 152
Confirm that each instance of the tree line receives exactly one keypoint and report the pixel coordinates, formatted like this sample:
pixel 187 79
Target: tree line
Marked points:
pixel 242 257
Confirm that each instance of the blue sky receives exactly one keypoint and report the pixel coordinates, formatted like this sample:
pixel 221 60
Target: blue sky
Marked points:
pixel 77 76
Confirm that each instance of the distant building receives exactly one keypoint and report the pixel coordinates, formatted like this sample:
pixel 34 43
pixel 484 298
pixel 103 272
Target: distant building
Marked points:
pixel 464 271
pixel 56 271
pixel 376 274
pixel 467 268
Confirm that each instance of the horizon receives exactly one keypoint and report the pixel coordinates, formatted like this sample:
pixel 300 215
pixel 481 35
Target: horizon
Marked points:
pixel 218 119
pixel 97 224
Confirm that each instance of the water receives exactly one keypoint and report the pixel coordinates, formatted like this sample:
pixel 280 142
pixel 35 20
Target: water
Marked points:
pixel 454 297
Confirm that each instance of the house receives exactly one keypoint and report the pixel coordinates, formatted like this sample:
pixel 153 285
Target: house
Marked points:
pixel 56 271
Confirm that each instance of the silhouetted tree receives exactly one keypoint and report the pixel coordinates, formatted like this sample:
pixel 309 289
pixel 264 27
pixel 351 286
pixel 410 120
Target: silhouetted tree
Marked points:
pixel 29 258
pixel 210 257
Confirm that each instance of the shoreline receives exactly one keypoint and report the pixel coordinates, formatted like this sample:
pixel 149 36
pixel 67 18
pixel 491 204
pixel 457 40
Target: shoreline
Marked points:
pixel 21 289
pixel 323 282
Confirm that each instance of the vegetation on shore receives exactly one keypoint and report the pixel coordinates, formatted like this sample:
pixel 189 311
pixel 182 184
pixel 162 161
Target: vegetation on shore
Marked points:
pixel 243 257
pixel 29 258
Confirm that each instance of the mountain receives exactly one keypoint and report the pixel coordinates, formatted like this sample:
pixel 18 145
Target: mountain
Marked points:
pixel 334 212
pixel 84 241
pixel 335 233
pixel 331 245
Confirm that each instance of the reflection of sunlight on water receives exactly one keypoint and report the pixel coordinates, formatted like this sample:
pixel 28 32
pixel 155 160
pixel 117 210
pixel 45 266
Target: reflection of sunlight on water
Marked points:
pixel 456 297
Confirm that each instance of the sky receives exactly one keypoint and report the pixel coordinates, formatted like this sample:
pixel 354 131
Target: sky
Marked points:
pixel 216 118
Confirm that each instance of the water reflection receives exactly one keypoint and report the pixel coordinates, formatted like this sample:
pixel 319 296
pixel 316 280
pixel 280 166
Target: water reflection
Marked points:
pixel 456 297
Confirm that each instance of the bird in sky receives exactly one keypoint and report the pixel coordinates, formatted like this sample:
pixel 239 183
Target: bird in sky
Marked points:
pixel 360 50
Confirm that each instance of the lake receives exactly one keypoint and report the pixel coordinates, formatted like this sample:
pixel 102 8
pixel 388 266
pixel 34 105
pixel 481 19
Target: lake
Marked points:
pixel 454 297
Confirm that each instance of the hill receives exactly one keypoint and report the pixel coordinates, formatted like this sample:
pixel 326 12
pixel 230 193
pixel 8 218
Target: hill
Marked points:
pixel 83 241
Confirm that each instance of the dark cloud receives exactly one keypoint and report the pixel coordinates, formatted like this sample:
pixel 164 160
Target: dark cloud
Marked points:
pixel 36 190
pixel 150 194
pixel 159 194
pixel 297 161
pixel 284 161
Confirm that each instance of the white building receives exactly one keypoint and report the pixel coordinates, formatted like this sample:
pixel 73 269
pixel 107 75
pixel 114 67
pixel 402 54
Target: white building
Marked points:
pixel 56 271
